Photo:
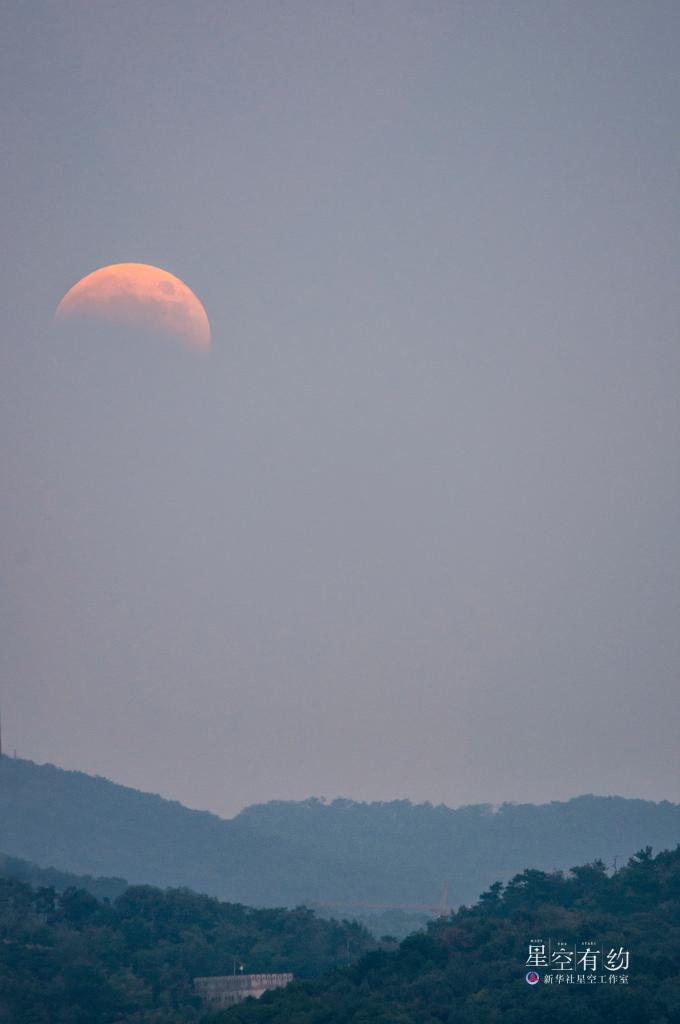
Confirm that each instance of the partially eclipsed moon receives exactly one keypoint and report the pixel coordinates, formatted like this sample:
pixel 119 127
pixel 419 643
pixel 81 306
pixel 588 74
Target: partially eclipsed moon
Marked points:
pixel 139 295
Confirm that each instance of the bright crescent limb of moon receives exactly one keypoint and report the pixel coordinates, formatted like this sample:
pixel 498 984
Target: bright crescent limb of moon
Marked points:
pixel 141 295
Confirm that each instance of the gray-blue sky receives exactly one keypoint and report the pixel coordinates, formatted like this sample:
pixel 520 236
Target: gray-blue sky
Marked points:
pixel 411 529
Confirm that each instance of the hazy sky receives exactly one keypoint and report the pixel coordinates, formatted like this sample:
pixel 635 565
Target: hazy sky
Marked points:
pixel 411 529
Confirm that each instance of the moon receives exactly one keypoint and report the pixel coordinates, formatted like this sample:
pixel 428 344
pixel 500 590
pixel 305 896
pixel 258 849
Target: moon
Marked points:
pixel 141 295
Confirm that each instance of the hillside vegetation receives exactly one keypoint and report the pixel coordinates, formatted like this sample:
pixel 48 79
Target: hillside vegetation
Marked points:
pixel 72 959
pixel 470 967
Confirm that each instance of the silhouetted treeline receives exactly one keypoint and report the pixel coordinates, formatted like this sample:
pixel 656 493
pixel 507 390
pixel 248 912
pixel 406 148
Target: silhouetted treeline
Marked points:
pixel 470 967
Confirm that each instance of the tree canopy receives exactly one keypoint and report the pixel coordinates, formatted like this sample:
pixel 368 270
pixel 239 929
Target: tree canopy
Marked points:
pixel 470 967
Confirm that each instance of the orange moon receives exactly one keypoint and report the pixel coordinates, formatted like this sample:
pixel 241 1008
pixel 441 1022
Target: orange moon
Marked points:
pixel 141 295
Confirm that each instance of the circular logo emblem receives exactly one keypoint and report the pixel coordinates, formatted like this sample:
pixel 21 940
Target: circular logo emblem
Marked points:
pixel 533 978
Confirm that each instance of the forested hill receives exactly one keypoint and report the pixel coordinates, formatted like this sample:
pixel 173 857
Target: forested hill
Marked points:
pixel 71 959
pixel 471 968
pixel 285 853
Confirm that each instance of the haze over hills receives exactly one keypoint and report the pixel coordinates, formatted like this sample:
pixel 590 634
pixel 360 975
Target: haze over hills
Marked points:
pixel 286 853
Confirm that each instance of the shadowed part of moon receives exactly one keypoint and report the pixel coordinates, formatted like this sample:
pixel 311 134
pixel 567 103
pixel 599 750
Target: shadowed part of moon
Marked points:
pixel 141 295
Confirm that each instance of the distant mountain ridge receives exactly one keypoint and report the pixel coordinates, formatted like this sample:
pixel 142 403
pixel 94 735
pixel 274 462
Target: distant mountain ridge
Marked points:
pixel 285 853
